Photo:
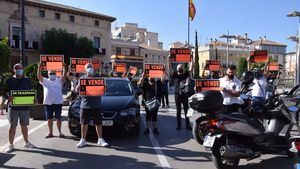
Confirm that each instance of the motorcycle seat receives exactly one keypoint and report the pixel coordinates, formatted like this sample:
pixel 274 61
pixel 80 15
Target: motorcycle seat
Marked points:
pixel 254 122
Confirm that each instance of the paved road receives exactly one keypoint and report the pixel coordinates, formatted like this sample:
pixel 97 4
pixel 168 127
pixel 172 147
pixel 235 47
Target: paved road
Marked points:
pixel 171 149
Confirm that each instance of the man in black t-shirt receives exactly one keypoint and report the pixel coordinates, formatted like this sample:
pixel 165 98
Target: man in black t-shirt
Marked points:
pixel 180 78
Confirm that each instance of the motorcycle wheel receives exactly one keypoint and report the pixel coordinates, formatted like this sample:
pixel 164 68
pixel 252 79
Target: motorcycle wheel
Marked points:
pixel 200 129
pixel 222 162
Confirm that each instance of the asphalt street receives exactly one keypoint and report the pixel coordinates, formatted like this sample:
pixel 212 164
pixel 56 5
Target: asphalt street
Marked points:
pixel 170 149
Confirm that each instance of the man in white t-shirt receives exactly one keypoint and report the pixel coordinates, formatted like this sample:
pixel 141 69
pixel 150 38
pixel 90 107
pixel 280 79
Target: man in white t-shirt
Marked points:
pixel 258 91
pixel 230 87
pixel 53 98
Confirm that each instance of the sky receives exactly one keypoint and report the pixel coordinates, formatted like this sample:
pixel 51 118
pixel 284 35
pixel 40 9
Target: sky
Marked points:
pixel 169 18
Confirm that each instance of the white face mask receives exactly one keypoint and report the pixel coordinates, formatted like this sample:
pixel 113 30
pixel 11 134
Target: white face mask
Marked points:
pixel 90 71
pixel 52 77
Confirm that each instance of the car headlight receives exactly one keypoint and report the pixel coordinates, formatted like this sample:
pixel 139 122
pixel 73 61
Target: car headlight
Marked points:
pixel 128 111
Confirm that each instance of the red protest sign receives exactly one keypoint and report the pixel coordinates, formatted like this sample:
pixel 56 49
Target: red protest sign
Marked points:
pixel 119 67
pixel 154 70
pixel 258 56
pixel 207 84
pixel 273 66
pixel 96 64
pixel 52 62
pixel 92 86
pixel 182 55
pixel 133 70
pixel 213 65
pixel 78 64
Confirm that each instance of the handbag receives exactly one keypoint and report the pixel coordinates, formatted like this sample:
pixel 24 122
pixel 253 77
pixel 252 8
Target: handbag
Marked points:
pixel 152 104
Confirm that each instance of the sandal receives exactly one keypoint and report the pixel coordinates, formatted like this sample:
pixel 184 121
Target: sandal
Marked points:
pixel 61 135
pixel 49 136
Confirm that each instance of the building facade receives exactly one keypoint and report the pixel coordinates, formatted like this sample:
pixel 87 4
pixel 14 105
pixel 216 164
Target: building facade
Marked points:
pixel 136 46
pixel 42 16
pixel 290 64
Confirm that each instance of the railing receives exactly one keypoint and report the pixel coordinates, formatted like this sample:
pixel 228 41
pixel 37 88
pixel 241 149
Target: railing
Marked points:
pixel 16 44
pixel 100 51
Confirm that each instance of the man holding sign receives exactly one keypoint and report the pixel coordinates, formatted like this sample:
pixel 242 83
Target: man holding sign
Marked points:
pixel 90 104
pixel 15 113
pixel 53 98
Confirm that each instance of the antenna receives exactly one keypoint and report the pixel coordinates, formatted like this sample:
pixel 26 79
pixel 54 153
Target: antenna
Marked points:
pixel 78 3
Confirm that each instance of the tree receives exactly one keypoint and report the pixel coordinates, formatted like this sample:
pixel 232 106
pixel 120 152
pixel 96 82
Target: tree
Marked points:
pixel 58 41
pixel 242 66
pixel 4 65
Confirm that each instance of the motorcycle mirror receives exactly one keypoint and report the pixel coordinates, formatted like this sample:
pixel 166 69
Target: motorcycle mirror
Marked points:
pixel 293 108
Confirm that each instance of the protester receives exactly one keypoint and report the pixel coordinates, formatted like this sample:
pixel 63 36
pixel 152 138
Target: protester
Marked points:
pixel 165 92
pixel 18 82
pixel 90 108
pixel 180 78
pixel 74 82
pixel 53 98
pixel 258 91
pixel 230 87
pixel 150 90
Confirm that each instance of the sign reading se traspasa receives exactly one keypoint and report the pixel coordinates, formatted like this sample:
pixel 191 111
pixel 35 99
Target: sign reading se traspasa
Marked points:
pixel 213 65
pixel 154 70
pixel 207 84
pixel 182 55
pixel 92 86
pixel 23 97
pixel 78 64
pixel 119 67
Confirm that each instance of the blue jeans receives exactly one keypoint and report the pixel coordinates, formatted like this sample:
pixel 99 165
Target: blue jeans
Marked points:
pixel 258 102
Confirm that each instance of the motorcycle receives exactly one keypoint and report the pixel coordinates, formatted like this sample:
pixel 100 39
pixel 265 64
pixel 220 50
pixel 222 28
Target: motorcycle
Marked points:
pixel 236 136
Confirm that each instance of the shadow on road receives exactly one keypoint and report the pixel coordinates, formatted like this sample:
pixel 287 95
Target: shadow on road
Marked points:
pixel 278 162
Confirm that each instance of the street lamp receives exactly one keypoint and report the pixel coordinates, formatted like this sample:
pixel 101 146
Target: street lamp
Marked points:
pixel 296 39
pixel 227 37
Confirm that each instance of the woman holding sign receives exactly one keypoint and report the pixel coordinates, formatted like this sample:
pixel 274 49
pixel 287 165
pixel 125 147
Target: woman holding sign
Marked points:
pixel 152 92
pixel 53 98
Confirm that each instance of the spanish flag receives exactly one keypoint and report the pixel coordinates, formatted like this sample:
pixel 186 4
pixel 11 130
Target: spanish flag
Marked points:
pixel 192 10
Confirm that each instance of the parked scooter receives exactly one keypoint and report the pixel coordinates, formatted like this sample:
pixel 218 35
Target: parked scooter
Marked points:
pixel 237 136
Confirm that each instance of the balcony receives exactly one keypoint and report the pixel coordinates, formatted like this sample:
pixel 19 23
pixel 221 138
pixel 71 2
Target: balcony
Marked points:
pixel 100 51
pixel 16 44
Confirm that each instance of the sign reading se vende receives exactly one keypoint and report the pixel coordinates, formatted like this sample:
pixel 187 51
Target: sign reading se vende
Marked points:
pixel 181 55
pixel 23 97
pixel 92 86
pixel 207 84
pixel 213 65
pixel 154 70
pixel 133 70
pixel 52 62
pixel 119 67
pixel 259 56
pixel 273 66
pixel 96 64
pixel 78 64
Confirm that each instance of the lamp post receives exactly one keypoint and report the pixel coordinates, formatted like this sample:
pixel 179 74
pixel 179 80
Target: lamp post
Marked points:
pixel 227 37
pixel 23 60
pixel 296 39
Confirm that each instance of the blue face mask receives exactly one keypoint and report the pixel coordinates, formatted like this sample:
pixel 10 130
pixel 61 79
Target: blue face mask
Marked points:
pixel 52 77
pixel 90 71
pixel 20 72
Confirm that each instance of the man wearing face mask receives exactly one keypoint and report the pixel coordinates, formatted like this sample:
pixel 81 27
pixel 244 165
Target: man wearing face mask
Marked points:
pixel 230 87
pixel 90 108
pixel 180 79
pixel 53 98
pixel 18 82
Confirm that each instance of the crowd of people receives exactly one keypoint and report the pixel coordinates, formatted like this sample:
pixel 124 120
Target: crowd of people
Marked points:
pixel 90 108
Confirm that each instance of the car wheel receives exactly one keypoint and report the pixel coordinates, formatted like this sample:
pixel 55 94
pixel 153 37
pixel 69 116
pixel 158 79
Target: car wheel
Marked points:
pixel 136 129
pixel 74 127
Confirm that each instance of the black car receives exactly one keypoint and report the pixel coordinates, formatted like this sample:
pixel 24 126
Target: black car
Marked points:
pixel 121 108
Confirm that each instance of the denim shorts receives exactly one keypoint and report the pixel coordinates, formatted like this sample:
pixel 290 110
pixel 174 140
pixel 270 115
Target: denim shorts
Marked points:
pixel 13 117
pixel 54 108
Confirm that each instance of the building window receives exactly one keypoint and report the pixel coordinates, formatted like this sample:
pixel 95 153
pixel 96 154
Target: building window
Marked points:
pixel 42 13
pixel 153 56
pixel 96 23
pixel 72 18
pixel 164 57
pixel 97 42
pixel 132 52
pixel 146 55
pixel 158 57
pixel 118 51
pixel 57 16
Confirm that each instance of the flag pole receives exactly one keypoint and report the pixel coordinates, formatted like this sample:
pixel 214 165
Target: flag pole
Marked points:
pixel 188 24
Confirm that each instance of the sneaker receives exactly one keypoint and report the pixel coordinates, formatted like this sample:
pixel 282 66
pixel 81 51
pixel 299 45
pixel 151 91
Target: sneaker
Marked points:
pixel 81 143
pixel 102 142
pixel 155 131
pixel 29 145
pixel 146 132
pixel 9 149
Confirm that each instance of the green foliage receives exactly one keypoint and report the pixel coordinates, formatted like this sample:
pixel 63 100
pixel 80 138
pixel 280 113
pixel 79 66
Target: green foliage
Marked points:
pixel 58 41
pixel 242 66
pixel 31 73
pixel 4 55
pixel 3 84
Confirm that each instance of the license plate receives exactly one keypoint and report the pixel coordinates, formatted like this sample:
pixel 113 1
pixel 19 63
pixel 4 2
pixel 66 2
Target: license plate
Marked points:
pixel 209 141
pixel 107 123
pixel 190 112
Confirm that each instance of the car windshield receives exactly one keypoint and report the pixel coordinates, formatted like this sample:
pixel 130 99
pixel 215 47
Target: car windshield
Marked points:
pixel 118 88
